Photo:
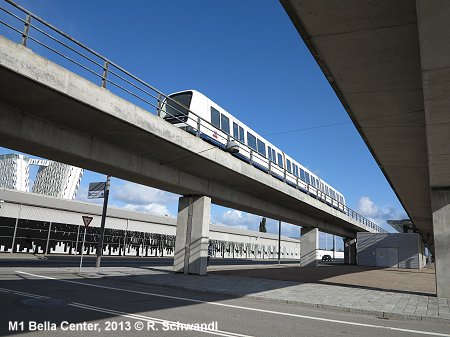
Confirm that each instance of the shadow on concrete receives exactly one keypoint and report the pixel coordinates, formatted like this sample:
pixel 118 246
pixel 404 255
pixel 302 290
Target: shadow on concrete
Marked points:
pixel 409 281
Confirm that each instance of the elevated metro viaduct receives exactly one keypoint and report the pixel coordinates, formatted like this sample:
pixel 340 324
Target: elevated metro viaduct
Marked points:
pixel 388 62
pixel 49 111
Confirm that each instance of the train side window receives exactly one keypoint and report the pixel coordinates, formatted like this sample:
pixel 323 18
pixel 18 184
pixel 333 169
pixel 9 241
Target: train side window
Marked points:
pixel 261 148
pixel 269 153
pixel 251 140
pixel 274 156
pixel 235 130
pixel 241 135
pixel 302 174
pixel 288 165
pixel 295 169
pixel 280 160
pixel 225 124
pixel 327 191
pixel 215 118
pixel 307 178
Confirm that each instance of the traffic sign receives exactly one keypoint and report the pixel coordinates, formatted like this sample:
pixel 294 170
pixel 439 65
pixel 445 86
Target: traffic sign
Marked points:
pixel 87 220
pixel 96 190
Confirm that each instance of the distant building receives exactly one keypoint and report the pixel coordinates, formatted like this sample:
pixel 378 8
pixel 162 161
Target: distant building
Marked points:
pixel 53 178
pixel 14 172
pixel 58 180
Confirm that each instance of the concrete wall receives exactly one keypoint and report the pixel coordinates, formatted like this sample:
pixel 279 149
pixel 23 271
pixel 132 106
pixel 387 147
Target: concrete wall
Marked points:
pixel 407 245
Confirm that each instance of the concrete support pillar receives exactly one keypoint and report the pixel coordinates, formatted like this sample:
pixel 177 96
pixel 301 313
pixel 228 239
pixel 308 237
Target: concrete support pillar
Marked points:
pixel 440 201
pixel 349 251
pixel 192 237
pixel 309 245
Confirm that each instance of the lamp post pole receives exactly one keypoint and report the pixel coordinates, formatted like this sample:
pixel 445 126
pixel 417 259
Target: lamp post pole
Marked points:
pixel 279 241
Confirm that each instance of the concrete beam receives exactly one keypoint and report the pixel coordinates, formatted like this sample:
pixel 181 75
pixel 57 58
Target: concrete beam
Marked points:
pixel 192 238
pixel 309 246
pixel 441 224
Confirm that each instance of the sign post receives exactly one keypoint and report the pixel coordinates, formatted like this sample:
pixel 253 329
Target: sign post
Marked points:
pixel 102 224
pixel 86 220
pixel 100 190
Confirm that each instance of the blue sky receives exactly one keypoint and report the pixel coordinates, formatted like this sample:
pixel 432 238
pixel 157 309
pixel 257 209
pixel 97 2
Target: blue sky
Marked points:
pixel 247 57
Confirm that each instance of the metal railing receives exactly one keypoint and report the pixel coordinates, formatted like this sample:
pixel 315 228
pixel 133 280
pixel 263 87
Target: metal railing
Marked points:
pixel 48 41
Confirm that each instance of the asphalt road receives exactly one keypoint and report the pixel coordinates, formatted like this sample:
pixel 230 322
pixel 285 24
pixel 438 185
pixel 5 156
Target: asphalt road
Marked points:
pixel 121 306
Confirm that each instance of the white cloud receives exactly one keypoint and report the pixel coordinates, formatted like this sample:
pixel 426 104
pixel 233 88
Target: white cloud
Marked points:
pixel 135 197
pixel 367 207
pixel 152 208
pixel 379 215
pixel 235 218
pixel 134 194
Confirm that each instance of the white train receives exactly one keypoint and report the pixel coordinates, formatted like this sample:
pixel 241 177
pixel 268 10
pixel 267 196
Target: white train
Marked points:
pixel 196 113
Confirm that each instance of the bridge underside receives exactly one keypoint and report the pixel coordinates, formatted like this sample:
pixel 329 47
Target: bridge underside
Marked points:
pixel 388 63
pixel 48 111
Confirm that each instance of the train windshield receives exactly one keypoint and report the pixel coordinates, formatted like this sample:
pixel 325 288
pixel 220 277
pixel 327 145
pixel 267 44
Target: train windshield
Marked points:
pixel 176 111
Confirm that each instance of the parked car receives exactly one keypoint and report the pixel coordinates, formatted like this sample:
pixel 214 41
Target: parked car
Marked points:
pixel 327 258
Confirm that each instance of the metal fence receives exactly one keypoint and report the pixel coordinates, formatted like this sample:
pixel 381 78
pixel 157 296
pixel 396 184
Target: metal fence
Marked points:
pixel 44 237
pixel 61 48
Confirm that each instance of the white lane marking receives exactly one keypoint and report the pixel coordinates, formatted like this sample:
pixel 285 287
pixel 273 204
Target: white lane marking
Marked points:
pixel 128 315
pixel 15 292
pixel 430 333
pixel 152 319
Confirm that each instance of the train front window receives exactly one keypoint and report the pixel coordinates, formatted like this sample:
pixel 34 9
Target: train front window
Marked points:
pixel 176 108
pixel 215 118
pixel 251 141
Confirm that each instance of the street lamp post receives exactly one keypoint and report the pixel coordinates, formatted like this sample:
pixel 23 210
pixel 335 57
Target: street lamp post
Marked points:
pixel 279 241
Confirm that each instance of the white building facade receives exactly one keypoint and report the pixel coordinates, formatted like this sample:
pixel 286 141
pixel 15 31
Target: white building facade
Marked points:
pixel 14 172
pixel 53 178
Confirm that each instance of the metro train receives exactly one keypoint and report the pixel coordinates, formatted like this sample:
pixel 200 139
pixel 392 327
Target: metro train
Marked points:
pixel 194 112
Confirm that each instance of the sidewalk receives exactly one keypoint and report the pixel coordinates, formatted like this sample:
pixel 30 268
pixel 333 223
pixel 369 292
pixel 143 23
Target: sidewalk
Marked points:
pixel 380 303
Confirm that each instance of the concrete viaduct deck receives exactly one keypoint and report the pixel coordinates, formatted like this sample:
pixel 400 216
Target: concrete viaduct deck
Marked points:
pixel 388 63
